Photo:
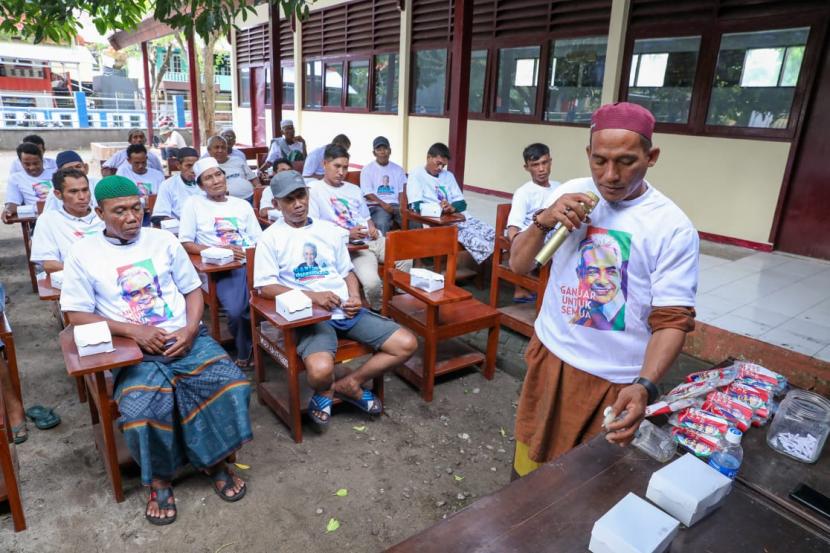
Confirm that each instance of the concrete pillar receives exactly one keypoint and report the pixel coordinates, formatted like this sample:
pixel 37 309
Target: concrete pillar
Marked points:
pixel 404 60
pixel 178 100
pixel 615 50
pixel 299 82
pixel 80 109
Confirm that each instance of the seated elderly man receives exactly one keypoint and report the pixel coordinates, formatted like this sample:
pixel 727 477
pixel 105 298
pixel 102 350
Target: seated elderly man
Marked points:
pixel 432 183
pixel 267 202
pixel 135 136
pixel 186 402
pixel 289 146
pixel 32 185
pixel 382 182
pixel 313 167
pixel 48 162
pixel 216 219
pixel 241 179
pixel 342 203
pixel 70 222
pixel 304 254
pixel 174 192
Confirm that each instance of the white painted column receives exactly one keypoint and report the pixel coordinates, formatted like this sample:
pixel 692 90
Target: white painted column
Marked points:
pixel 616 49
pixel 402 144
pixel 299 76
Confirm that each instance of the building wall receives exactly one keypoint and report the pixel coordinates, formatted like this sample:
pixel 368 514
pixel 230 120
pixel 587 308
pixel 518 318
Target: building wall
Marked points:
pixel 320 127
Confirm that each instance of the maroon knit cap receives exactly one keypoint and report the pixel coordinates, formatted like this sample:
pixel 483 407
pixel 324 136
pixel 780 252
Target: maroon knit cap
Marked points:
pixel 623 115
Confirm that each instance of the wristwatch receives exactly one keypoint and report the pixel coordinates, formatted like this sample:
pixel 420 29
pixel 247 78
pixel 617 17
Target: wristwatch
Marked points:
pixel 650 387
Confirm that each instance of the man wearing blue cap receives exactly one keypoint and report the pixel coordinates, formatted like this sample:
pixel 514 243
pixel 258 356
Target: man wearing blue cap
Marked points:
pixel 186 402
pixel 72 220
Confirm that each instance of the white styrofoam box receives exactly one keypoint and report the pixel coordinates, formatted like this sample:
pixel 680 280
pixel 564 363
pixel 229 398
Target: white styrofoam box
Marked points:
pixel 688 489
pixel 57 279
pixel 216 256
pixel 426 279
pixel 26 211
pixel 293 305
pixel 93 338
pixel 429 209
pixel 633 525
pixel 171 225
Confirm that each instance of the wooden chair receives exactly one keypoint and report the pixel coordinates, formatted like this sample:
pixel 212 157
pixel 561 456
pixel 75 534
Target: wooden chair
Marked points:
pixel 26 226
pixel 9 487
pixel 437 317
pixel 519 317
pixel 263 221
pixel 211 299
pixel 10 354
pixel 353 177
pixel 288 397
pixel 96 373
pixel 53 295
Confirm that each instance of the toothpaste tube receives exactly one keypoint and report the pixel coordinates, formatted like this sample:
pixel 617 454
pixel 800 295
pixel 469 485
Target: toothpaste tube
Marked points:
pixel 689 389
pixel 763 374
pixel 699 444
pixel 756 398
pixel 735 411
pixel 719 377
pixel 664 408
pixel 700 421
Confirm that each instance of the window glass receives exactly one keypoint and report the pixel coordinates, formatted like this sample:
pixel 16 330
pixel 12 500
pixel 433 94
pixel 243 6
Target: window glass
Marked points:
pixel 386 83
pixel 358 84
pixel 662 75
pixel 517 81
pixel 429 81
pixel 287 85
pixel 755 78
pixel 478 74
pixel 313 84
pixel 577 67
pixel 244 87
pixel 333 85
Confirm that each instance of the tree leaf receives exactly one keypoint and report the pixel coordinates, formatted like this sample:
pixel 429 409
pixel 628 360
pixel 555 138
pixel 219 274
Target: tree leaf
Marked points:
pixel 342 492
pixel 503 432
pixel 359 428
pixel 242 466
pixel 457 478
pixel 332 525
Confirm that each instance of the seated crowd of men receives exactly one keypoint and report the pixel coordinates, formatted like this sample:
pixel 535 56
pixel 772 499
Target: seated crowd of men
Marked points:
pixel 187 401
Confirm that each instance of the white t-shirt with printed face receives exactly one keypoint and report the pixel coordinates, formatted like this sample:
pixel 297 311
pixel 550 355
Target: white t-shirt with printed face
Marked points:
pixel 606 277
pixel 239 177
pixel 312 258
pixel 527 200
pixel 48 163
pixel 384 181
pixel 228 223
pixel 119 158
pixel 141 283
pixel 53 202
pixel 423 187
pixel 147 183
pixel 342 205
pixel 23 189
pixel 172 195
pixel 57 230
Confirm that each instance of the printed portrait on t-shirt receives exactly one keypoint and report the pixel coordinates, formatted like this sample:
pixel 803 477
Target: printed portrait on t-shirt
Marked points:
pixel 42 189
pixel 78 233
pixel 141 290
pixel 598 300
pixel 441 193
pixel 144 188
pixel 311 268
pixel 227 231
pixel 344 213
pixel 384 187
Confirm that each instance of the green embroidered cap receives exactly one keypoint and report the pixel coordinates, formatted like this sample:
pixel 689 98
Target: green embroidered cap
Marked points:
pixel 115 186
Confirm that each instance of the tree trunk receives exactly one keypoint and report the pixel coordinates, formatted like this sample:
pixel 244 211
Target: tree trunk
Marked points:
pixel 158 76
pixel 207 98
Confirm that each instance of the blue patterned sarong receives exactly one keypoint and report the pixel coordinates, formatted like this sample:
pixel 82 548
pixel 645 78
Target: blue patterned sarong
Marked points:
pixel 189 410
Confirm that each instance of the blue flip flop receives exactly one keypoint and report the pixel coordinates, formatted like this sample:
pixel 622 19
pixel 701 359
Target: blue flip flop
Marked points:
pixel 368 402
pixel 320 404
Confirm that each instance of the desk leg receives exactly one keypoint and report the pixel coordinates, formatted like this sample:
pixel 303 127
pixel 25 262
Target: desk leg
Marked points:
pixel 111 451
pixel 213 305
pixel 24 227
pixel 11 361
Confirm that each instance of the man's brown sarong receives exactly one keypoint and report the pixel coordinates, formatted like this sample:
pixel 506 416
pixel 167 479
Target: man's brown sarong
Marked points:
pixel 560 407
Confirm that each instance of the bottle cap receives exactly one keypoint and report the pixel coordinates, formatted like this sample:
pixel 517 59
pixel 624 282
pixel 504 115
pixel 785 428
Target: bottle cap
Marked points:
pixel 734 436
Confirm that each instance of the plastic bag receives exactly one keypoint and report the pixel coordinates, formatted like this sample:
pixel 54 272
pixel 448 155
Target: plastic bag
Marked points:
pixel 701 421
pixel 733 410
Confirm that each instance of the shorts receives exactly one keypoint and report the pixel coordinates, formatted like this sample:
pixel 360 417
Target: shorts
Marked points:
pixel 372 330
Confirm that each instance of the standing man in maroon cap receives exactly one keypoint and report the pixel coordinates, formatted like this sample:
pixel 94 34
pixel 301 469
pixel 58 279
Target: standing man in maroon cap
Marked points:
pixel 619 301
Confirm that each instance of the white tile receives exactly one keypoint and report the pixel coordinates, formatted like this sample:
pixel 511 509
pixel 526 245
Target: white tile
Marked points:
pixel 709 261
pixel 762 260
pixel 820 280
pixel 819 314
pixel 823 354
pixel 803 268
pixel 751 287
pixel 761 315
pixel 709 279
pixel 740 325
pixel 798 335
pixel 791 300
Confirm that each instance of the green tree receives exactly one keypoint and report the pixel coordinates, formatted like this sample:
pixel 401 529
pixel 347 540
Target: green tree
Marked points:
pixel 53 20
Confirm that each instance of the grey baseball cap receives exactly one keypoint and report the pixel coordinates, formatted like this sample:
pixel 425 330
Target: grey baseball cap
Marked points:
pixel 286 182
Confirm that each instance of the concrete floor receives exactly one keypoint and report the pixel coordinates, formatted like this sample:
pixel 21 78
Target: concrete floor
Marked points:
pixel 404 471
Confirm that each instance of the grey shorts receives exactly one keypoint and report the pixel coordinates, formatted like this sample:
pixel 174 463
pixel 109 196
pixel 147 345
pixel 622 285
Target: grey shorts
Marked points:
pixel 372 329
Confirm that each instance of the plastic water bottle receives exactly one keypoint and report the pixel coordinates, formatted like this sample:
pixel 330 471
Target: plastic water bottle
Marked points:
pixel 729 460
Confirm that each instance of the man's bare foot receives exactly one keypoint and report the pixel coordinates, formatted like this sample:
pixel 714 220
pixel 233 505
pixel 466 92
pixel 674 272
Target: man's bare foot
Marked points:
pixel 348 386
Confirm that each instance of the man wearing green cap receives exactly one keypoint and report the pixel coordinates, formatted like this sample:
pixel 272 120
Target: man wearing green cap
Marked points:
pixel 186 402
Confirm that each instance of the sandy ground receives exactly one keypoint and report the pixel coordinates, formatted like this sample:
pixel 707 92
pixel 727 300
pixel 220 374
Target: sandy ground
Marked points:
pixel 406 470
